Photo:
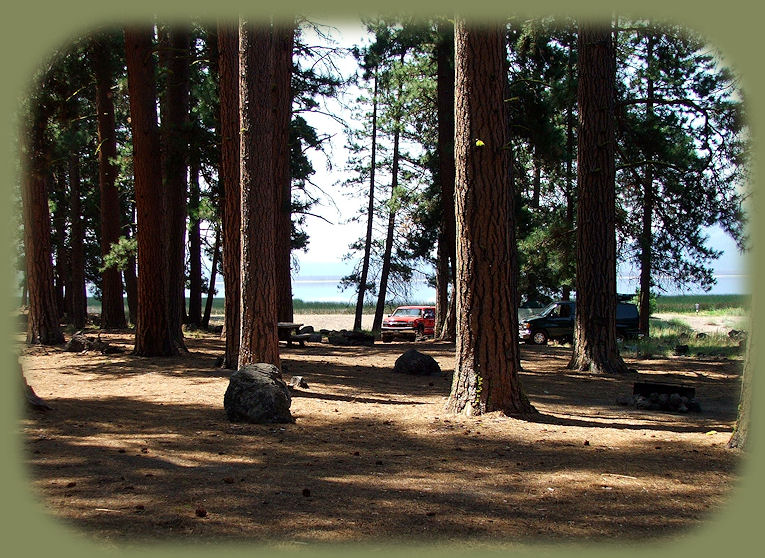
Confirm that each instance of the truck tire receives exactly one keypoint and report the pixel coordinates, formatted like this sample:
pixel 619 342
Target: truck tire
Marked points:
pixel 539 337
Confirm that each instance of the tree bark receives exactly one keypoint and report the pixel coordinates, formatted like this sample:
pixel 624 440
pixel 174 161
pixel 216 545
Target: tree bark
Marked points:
pixel 60 229
pixel 646 233
pixel 387 254
pixel 153 335
pixel 370 214
pixel 446 319
pixel 78 302
pixel 283 35
pixel 595 346
pixel 112 303
pixel 740 436
pixel 259 339
pixel 228 63
pixel 175 135
pixel 213 279
pixel 195 245
pixel 42 321
pixel 131 280
pixel 487 362
pixel 568 252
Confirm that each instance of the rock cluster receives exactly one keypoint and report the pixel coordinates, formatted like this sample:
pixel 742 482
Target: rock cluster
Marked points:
pixel 673 402
pixel 79 343
pixel 350 338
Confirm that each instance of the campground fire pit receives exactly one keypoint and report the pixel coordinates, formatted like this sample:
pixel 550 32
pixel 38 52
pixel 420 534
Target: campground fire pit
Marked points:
pixel 654 396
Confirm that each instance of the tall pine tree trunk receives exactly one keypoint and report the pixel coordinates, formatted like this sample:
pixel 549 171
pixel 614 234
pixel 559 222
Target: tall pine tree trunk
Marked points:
pixel 646 233
pixel 386 263
pixel 78 302
pixel 195 245
pixel 259 339
pixel 740 437
pixel 42 320
pixel 60 233
pixel 213 279
pixel 568 252
pixel 175 134
pixel 445 316
pixel 228 64
pixel 370 215
pixel 487 362
pixel 595 346
pixel 282 105
pixel 153 336
pixel 129 274
pixel 112 304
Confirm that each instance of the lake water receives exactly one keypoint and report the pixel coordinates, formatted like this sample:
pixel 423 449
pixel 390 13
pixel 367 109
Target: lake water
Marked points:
pixel 319 288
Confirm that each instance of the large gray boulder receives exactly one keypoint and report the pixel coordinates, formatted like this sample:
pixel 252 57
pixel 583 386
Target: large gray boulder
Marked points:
pixel 257 394
pixel 415 363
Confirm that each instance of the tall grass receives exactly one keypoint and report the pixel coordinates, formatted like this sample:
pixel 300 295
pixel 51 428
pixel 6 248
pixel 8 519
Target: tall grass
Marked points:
pixel 708 304
pixel 667 335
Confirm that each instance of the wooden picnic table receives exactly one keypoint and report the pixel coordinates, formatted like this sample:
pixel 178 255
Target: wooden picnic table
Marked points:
pixel 285 332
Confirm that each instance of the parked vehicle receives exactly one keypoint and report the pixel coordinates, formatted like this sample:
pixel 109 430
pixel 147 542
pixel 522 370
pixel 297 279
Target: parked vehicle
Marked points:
pixel 556 321
pixel 409 321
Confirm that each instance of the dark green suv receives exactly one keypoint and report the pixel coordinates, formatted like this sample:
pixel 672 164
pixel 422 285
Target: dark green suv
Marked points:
pixel 556 321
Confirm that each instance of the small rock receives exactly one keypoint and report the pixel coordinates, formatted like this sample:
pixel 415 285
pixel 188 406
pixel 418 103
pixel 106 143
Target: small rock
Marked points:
pixel 77 344
pixel 306 492
pixel 298 381
pixel 201 512
pixel 681 349
pixel 675 400
pixel 642 402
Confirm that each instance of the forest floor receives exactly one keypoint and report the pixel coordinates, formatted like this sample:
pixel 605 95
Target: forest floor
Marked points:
pixel 139 449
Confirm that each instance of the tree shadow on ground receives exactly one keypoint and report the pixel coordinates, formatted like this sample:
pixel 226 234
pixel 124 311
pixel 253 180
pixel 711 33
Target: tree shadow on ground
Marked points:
pixel 131 472
pixel 372 456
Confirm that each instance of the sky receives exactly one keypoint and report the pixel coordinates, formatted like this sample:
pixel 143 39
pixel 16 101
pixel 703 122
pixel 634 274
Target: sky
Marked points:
pixel 331 234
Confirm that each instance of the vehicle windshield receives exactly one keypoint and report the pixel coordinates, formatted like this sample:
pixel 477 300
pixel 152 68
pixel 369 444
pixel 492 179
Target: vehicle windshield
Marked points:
pixel 407 312
pixel 548 309
pixel 556 310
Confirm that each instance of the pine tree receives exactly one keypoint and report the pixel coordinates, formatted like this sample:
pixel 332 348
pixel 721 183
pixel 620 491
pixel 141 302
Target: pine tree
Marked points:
pixel 595 346
pixel 487 362
pixel 259 339
pixel 153 333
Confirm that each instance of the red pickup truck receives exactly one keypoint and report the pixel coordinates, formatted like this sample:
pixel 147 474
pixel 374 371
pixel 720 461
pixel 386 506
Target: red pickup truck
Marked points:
pixel 409 321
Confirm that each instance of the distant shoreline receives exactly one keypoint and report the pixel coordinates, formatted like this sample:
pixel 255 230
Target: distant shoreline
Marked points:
pixel 663 303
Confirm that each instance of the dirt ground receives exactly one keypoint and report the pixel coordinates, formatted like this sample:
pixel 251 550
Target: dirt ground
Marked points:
pixel 140 449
